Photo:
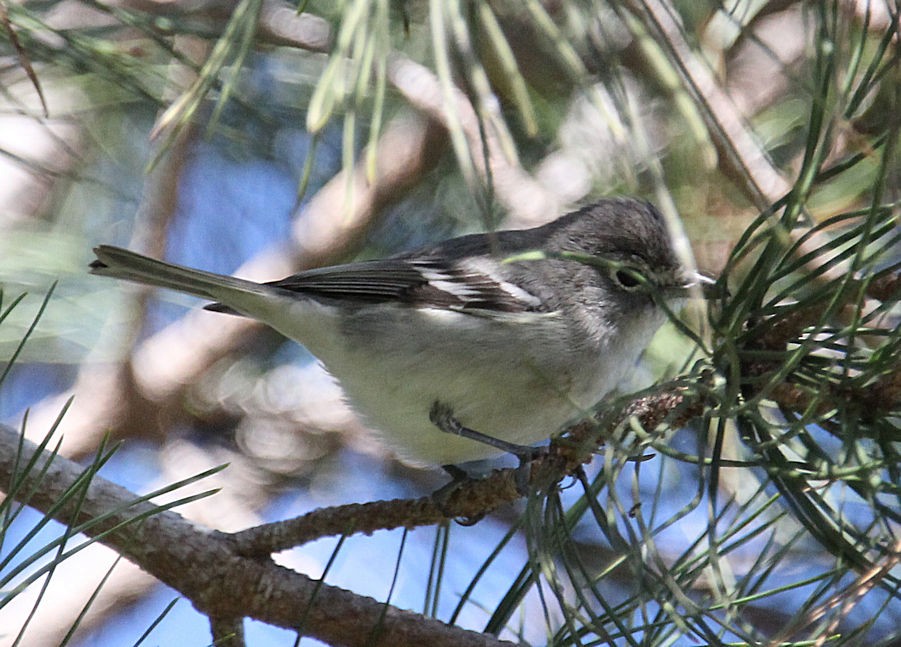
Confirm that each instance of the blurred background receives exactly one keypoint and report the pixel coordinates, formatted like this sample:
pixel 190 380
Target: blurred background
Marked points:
pixel 261 138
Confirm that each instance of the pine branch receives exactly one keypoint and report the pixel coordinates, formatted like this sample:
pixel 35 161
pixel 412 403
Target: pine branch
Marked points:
pixel 206 567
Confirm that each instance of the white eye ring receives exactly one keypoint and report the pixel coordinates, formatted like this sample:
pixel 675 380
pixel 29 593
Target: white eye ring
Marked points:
pixel 628 278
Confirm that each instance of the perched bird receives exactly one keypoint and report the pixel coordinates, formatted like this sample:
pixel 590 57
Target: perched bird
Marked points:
pixel 498 338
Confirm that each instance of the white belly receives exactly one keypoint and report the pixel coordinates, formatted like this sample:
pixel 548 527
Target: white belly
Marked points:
pixel 393 376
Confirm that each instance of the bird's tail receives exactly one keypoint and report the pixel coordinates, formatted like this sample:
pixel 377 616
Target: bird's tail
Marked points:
pixel 123 264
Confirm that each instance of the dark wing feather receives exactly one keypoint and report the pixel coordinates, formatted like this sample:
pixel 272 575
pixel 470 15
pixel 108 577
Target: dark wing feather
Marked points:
pixel 371 281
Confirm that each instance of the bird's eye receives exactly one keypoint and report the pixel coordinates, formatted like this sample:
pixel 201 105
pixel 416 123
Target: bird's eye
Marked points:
pixel 627 277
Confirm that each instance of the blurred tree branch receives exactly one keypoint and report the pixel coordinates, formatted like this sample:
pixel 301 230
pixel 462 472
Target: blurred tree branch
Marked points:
pixel 742 158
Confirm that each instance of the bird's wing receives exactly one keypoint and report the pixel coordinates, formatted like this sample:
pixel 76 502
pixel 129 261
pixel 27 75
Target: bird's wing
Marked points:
pixel 415 282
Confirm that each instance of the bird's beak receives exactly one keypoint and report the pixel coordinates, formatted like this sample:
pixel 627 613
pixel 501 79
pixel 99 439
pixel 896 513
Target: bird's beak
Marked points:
pixel 696 284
